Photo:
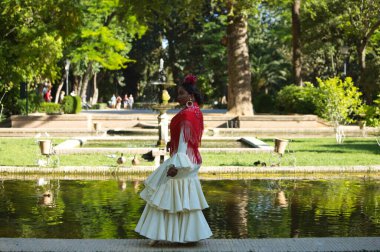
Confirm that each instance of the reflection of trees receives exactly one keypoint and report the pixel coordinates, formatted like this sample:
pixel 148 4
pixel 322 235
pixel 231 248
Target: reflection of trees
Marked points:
pixel 241 209
pixel 49 206
pixel 228 202
pixel 315 208
pixel 329 208
pixel 238 209
pixel 106 211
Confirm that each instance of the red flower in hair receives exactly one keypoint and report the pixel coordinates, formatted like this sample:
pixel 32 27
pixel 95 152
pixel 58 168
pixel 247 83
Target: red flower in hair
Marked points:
pixel 190 79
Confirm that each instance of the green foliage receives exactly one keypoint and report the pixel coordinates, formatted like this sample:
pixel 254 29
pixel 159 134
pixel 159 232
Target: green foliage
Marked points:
pixel 30 49
pixel 34 103
pixel 49 107
pixel 372 113
pixel 371 75
pixel 263 103
pixel 337 101
pixel 269 49
pixel 99 106
pixel 296 99
pixel 71 104
pixel 106 34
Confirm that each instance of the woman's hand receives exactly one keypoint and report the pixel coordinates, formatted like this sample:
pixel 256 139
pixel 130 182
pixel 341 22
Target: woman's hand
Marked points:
pixel 172 171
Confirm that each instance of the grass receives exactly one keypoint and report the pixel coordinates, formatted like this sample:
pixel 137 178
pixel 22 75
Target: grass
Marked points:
pixel 308 152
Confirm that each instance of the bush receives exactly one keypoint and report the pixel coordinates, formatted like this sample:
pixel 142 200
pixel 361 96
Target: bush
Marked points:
pixel 50 108
pixel 99 106
pixel 338 101
pixel 295 99
pixel 34 103
pixel 372 113
pixel 71 104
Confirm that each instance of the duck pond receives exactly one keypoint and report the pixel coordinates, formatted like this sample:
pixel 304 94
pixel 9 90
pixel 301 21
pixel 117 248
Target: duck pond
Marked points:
pixel 108 208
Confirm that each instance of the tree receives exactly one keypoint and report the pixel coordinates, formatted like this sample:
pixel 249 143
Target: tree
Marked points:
pixel 29 48
pixel 337 101
pixel 296 42
pixel 106 32
pixel 239 72
pixel 359 23
pixel 269 50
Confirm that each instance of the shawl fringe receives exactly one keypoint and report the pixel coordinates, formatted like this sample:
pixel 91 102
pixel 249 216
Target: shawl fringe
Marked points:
pixel 190 120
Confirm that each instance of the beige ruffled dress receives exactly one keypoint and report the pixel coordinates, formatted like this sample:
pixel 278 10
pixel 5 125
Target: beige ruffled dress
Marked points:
pixel 174 204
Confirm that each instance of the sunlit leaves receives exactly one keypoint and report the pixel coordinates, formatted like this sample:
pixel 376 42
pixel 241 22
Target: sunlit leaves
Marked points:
pixel 337 100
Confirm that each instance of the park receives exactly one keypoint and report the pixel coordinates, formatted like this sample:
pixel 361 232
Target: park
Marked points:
pixel 291 116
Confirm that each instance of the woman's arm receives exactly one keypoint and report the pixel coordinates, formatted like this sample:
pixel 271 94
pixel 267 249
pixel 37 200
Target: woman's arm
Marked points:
pixel 182 148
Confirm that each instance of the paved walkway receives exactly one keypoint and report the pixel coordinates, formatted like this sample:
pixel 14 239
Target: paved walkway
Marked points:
pixel 217 245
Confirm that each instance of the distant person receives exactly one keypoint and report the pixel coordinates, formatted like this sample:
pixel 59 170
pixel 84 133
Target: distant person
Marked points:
pixel 223 100
pixel 113 101
pixel 118 102
pixel 45 88
pixel 85 105
pixel 130 101
pixel 126 100
pixel 47 96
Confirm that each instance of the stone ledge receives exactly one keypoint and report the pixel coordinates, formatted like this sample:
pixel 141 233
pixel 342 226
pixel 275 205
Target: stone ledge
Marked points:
pixel 212 245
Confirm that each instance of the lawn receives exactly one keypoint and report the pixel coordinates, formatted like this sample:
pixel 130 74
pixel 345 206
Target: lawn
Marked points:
pixel 308 152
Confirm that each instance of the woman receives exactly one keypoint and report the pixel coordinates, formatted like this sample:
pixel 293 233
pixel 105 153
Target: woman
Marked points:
pixel 173 192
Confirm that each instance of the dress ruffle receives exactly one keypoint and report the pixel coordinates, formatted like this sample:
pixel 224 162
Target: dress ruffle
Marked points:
pixel 177 195
pixel 181 193
pixel 178 227
pixel 174 204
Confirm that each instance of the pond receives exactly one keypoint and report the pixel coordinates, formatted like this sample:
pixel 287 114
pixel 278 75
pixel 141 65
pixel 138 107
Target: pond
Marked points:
pixel 254 208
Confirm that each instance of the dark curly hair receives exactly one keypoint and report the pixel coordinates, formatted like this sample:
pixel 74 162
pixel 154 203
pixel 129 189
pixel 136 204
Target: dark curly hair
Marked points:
pixel 189 84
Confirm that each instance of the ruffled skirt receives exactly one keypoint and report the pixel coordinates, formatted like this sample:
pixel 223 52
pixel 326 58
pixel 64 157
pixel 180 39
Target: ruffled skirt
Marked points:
pixel 174 207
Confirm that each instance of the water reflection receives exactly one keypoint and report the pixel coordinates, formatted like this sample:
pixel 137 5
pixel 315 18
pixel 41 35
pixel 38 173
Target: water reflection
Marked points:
pixel 238 209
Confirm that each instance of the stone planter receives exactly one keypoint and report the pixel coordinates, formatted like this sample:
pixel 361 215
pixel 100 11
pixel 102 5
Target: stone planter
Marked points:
pixel 45 146
pixel 280 145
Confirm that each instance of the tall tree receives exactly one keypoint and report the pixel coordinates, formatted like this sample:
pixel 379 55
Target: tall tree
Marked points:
pixel 239 70
pixel 296 42
pixel 360 21
pixel 107 30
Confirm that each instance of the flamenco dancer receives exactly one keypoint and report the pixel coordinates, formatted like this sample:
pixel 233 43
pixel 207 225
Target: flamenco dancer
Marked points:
pixel 173 193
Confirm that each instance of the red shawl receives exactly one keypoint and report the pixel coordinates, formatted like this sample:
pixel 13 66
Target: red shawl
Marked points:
pixel 190 119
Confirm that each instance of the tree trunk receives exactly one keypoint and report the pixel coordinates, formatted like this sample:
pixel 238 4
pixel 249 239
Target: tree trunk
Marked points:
pixel 361 50
pixel 362 83
pixel 86 78
pixel 296 43
pixel 95 96
pixel 239 72
pixel 57 94
pixel 172 56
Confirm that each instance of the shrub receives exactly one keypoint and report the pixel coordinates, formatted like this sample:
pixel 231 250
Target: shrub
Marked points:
pixel 71 104
pixel 295 99
pixel 99 106
pixel 372 113
pixel 34 102
pixel 338 101
pixel 50 108
pixel 77 105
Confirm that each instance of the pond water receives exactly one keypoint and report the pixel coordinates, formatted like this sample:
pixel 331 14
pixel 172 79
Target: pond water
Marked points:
pixel 238 208
pixel 153 143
